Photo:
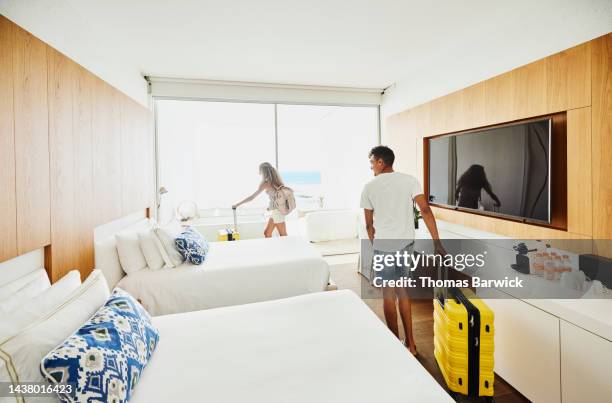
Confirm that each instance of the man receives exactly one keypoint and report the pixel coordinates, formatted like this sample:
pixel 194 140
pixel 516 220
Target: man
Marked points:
pixel 387 201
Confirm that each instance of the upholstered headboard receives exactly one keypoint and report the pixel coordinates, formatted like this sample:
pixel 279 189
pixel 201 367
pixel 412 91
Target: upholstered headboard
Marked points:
pixel 105 248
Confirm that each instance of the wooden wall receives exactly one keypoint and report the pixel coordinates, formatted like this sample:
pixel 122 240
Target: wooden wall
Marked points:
pixel 74 153
pixel 601 138
pixel 577 81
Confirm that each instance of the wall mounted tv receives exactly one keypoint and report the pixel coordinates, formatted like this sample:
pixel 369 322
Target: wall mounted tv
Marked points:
pixel 503 170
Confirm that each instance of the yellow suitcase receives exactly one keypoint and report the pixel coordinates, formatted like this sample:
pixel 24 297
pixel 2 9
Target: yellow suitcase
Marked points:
pixel 463 342
pixel 229 234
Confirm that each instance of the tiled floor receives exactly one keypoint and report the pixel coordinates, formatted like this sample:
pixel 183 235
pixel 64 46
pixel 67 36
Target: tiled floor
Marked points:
pixel 344 272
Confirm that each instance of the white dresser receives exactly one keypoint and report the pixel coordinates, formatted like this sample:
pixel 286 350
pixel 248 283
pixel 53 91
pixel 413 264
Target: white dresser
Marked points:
pixel 551 351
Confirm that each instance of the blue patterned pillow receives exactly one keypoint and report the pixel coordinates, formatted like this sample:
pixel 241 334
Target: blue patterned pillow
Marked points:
pixel 104 359
pixel 192 246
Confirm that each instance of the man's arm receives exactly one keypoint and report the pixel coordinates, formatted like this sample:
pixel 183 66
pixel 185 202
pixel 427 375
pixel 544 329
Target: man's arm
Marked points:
pixel 369 220
pixel 430 222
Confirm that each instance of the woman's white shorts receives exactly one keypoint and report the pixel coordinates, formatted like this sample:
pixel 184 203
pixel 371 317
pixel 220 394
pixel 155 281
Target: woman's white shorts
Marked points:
pixel 276 216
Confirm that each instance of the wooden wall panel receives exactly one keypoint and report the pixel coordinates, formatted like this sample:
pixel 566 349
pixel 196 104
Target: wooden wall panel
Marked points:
pixel 422 124
pixel 61 73
pixel 473 106
pixel 561 82
pixel 518 94
pixel 107 153
pixel 602 137
pixel 499 99
pixel 403 126
pixel 31 141
pixel 82 115
pixel 557 83
pixel 530 91
pixel 579 178
pixel 568 76
pixel 71 156
pixel 8 208
pixel 62 169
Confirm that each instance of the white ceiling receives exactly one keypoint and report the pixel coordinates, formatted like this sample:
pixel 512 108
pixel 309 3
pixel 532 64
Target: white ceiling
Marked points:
pixel 355 43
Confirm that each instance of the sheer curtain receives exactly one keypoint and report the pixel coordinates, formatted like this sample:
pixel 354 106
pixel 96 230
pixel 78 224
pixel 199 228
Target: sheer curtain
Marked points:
pixel 328 145
pixel 209 152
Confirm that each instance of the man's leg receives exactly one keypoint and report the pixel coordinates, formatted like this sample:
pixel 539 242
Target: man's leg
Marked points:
pixel 390 310
pixel 405 309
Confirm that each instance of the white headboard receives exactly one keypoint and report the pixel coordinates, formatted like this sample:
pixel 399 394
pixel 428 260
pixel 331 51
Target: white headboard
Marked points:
pixel 105 246
pixel 21 265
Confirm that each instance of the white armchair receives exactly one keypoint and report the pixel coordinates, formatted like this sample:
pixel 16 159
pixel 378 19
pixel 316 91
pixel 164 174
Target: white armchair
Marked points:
pixel 335 232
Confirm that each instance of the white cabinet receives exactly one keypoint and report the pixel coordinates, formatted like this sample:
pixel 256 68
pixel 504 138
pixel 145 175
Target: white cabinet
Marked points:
pixel 527 349
pixel 585 366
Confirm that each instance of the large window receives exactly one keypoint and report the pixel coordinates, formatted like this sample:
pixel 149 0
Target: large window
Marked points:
pixel 323 152
pixel 209 152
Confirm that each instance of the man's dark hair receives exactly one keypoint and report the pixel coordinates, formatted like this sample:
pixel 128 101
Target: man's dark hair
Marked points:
pixel 383 153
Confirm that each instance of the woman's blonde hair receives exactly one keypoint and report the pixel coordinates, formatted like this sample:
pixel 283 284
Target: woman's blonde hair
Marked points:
pixel 270 174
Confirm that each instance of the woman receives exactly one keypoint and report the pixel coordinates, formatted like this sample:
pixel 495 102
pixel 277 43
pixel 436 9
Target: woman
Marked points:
pixel 470 185
pixel 271 182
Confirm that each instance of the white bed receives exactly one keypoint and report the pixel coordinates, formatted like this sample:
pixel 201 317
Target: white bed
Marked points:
pixel 234 273
pixel 323 347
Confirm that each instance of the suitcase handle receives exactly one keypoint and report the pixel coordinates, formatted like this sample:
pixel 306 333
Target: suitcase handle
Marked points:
pixel 235 219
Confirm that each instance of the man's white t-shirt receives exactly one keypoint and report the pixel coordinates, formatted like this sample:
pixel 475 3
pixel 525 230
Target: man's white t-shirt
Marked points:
pixel 390 196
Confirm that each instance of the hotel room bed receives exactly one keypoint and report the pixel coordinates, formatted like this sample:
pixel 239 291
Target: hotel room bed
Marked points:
pixel 322 347
pixel 234 273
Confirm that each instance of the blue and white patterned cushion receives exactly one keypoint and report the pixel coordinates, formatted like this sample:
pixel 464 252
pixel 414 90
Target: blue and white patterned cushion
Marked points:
pixel 104 359
pixel 192 246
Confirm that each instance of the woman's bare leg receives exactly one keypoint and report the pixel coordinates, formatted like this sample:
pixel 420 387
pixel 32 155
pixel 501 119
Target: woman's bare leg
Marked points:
pixel 269 228
pixel 282 229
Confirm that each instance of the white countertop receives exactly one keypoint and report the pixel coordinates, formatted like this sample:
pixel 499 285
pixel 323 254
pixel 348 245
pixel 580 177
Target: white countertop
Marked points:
pixel 593 315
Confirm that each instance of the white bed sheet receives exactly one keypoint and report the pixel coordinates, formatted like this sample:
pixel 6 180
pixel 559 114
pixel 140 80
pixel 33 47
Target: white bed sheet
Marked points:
pixel 316 348
pixel 234 273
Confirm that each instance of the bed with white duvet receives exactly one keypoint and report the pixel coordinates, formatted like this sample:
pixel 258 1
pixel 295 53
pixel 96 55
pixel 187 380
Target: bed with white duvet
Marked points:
pixel 233 273
pixel 322 347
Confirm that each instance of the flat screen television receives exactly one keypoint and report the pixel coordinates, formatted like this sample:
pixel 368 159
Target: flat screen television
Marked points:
pixel 503 170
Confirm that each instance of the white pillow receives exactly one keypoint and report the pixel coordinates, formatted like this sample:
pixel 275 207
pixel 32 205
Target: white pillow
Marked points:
pixel 151 249
pixel 167 235
pixel 130 254
pixel 39 306
pixel 29 291
pixel 11 288
pixel 21 354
